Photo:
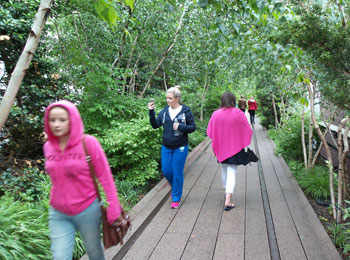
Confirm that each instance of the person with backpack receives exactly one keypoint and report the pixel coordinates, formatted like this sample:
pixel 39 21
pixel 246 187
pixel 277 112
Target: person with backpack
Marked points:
pixel 242 104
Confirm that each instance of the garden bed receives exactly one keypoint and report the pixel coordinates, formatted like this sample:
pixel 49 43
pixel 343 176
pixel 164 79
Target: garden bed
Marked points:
pixel 324 214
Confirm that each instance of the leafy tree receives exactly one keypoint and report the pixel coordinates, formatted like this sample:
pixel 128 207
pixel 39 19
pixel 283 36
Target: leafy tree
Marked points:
pixel 42 84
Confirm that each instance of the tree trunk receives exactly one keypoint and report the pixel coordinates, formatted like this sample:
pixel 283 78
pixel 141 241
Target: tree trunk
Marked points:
pixel 343 148
pixel 164 78
pixel 314 159
pixel 316 154
pixel 118 60
pixel 325 144
pixel 274 110
pixel 171 45
pixel 342 14
pixel 311 135
pixel 311 128
pixel 205 90
pixel 132 81
pixel 60 40
pixel 282 106
pixel 24 60
pixel 84 33
pixel 78 37
pixel 303 136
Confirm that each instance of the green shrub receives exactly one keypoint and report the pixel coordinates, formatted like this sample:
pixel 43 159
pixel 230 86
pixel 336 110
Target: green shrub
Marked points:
pixel 195 139
pixel 296 167
pixel 128 194
pixel 101 115
pixel 340 234
pixel 25 184
pixel 288 139
pixel 315 182
pixel 133 150
pixel 24 227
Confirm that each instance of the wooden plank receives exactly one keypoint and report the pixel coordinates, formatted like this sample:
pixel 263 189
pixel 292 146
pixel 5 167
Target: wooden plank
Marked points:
pixel 174 240
pixel 148 240
pixel 144 209
pixel 230 241
pixel 316 242
pixel 196 170
pixel 288 239
pixel 202 241
pixel 256 239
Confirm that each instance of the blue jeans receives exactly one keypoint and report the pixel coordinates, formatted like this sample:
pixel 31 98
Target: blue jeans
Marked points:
pixel 63 228
pixel 173 164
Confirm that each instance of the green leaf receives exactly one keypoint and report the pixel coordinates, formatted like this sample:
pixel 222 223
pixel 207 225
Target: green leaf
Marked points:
pixel 307 81
pixel 254 6
pixel 300 78
pixel 303 101
pixel 203 3
pixel 130 3
pixel 107 12
pixel 275 15
pixel 223 29
pixel 236 27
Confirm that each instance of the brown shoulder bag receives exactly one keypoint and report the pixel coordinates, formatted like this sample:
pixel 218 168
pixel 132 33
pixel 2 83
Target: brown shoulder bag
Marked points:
pixel 112 234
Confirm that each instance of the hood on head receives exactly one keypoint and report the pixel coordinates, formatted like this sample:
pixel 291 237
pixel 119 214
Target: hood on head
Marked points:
pixel 76 123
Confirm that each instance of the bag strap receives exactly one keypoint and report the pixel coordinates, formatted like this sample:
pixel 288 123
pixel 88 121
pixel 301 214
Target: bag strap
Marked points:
pixel 92 170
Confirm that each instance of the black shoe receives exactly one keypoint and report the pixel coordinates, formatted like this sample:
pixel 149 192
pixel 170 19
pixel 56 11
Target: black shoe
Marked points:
pixel 227 208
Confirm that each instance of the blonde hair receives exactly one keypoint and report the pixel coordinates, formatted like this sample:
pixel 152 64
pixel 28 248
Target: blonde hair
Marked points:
pixel 175 91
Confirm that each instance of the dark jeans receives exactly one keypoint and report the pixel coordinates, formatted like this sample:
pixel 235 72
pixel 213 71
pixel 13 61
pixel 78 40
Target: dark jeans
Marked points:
pixel 252 116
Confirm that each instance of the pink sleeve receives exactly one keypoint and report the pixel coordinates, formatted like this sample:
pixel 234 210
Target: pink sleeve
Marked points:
pixel 105 177
pixel 209 133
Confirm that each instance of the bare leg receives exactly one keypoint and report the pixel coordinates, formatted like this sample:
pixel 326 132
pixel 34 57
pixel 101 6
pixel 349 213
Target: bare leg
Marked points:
pixel 228 199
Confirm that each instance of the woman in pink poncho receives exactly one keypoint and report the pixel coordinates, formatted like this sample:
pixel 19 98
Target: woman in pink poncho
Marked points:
pixel 230 132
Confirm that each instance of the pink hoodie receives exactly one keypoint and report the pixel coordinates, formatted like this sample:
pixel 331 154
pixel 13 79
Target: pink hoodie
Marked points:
pixel 230 132
pixel 72 188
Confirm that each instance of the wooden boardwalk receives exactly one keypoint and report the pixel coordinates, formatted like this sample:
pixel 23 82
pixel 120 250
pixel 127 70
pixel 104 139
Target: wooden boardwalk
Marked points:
pixel 272 218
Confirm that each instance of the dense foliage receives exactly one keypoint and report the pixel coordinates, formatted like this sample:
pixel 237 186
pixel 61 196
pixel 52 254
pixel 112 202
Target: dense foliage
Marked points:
pixel 288 138
pixel 110 57
pixel 23 130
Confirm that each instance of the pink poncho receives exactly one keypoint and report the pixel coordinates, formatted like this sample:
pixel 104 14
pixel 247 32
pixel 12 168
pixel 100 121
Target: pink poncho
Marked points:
pixel 230 132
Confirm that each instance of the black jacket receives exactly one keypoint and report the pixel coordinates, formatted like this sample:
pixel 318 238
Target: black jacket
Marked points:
pixel 186 125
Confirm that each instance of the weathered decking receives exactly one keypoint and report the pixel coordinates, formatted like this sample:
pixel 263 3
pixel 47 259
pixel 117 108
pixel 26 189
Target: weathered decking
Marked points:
pixel 272 218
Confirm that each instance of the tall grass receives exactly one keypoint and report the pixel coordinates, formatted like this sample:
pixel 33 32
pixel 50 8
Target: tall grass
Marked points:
pixel 23 230
pixel 314 182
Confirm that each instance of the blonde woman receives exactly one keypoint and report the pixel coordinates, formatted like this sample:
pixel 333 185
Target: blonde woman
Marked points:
pixel 177 121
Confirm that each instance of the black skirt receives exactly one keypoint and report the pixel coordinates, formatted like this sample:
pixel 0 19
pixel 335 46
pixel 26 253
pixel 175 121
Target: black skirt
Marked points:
pixel 238 159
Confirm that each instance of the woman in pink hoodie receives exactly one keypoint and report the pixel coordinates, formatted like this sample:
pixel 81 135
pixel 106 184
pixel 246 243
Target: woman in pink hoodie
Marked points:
pixel 230 132
pixel 73 198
